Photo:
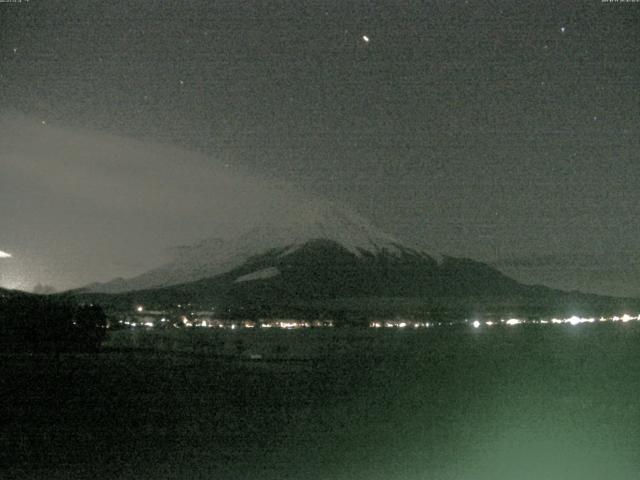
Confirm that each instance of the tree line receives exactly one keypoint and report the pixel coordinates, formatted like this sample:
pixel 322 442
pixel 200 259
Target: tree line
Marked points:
pixel 42 323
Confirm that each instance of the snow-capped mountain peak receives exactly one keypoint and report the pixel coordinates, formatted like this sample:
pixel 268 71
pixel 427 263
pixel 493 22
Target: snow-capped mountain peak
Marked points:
pixel 319 220
pixel 296 227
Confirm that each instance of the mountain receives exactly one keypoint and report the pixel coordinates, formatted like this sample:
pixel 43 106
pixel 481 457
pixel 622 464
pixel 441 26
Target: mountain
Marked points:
pixel 307 222
pixel 343 270
pixel 6 293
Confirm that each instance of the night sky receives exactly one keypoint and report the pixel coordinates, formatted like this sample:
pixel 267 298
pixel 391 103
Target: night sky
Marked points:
pixel 508 132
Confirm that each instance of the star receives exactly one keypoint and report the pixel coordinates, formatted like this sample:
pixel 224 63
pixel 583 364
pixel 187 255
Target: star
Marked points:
pixel 181 82
pixel 562 29
pixel 15 49
pixel 43 122
pixel 365 39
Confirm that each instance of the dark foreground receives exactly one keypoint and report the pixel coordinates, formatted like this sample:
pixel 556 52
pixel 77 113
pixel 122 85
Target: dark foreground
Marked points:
pixel 552 402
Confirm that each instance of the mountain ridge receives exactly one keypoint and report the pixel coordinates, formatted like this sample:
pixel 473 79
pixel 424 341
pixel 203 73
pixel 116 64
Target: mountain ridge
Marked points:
pixel 324 261
pixel 324 279
pixel 214 256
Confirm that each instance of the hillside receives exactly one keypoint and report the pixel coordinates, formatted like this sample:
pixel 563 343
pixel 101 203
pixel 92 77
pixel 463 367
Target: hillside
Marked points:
pixel 323 278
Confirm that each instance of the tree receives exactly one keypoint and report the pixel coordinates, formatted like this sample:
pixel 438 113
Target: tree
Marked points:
pixel 91 323
pixel 41 323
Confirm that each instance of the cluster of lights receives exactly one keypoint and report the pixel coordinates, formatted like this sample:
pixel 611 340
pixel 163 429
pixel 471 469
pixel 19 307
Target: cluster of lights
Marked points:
pixel 399 324
pixel 184 321
pixel 573 320
pixel 288 324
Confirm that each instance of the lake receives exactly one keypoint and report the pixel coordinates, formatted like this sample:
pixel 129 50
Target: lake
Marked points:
pixel 527 402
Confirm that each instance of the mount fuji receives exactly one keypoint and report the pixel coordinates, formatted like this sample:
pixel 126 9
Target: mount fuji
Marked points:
pixel 306 223
pixel 322 260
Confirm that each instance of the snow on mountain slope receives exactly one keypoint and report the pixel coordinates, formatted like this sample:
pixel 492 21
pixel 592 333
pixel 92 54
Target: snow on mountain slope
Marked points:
pixel 297 226
pixel 259 275
pixel 320 220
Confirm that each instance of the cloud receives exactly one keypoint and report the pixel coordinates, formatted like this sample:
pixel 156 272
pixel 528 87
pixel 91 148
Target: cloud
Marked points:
pixel 608 273
pixel 83 205
pixel 619 260
pixel 122 174
pixel 44 289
